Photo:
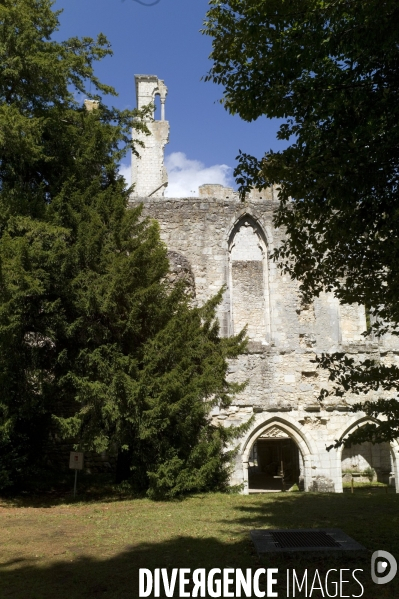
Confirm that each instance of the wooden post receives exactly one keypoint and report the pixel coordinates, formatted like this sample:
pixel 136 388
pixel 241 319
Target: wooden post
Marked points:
pixel 352 484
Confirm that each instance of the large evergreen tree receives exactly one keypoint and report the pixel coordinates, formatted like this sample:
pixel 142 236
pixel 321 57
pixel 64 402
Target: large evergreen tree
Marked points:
pixel 329 70
pixel 92 338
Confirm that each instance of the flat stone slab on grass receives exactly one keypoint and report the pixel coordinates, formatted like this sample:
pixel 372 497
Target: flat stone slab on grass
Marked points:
pixel 303 539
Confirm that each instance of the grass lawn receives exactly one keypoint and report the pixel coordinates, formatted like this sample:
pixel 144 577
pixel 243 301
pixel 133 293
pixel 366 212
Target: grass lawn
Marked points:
pixel 93 549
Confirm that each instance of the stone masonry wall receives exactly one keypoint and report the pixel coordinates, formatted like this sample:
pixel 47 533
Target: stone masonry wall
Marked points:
pixel 285 336
pixel 149 175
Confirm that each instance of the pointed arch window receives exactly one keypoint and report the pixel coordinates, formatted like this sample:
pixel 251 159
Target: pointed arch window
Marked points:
pixel 249 280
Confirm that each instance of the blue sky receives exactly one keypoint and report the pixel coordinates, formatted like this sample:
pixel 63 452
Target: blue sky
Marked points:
pixel 164 40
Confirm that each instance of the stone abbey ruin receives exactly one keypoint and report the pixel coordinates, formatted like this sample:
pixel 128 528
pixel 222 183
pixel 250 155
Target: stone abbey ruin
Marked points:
pixel 214 240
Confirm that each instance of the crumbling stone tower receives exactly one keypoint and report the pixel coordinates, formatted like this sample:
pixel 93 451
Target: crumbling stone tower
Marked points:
pixel 217 240
pixel 149 175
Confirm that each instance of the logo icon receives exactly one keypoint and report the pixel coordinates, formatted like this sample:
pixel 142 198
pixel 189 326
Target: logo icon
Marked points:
pixel 383 562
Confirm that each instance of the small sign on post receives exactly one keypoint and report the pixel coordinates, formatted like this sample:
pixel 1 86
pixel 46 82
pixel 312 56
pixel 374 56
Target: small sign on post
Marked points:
pixel 76 463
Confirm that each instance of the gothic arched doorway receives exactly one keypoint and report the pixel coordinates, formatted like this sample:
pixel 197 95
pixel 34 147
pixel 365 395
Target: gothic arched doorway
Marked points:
pixel 275 463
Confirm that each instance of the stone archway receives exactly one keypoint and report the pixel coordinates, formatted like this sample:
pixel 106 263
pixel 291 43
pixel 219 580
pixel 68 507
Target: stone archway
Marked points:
pixel 275 462
pixel 367 462
pixel 270 443
pixel 378 462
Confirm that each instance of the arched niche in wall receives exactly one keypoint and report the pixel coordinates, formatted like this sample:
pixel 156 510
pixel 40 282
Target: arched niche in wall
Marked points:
pixel 249 280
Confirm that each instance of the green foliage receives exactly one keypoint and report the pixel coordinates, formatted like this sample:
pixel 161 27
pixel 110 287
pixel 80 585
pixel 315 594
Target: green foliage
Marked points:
pixel 359 378
pixel 329 69
pixel 369 472
pixel 93 342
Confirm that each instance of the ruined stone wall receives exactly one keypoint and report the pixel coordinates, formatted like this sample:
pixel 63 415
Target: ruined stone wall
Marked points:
pixel 149 175
pixel 226 242
pixel 148 171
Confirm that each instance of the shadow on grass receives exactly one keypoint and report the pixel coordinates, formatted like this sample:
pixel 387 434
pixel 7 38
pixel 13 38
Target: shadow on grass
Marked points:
pixel 117 577
pixel 370 519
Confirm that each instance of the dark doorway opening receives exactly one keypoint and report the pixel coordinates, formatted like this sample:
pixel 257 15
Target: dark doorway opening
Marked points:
pixel 274 465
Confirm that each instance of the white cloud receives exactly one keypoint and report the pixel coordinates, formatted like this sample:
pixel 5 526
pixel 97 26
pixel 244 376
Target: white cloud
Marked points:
pixel 185 176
